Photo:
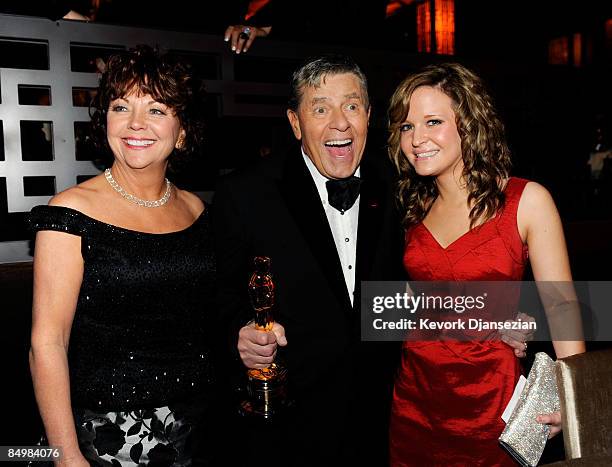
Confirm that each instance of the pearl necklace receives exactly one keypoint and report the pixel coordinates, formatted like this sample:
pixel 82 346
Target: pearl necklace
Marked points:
pixel 134 199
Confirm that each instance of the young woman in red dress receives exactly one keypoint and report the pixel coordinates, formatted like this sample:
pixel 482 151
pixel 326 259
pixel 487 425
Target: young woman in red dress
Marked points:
pixel 466 219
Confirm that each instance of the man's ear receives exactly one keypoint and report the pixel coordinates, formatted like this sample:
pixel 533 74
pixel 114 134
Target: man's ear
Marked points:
pixel 294 121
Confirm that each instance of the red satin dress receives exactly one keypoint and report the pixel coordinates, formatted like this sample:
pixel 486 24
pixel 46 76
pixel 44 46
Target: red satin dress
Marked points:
pixel 449 395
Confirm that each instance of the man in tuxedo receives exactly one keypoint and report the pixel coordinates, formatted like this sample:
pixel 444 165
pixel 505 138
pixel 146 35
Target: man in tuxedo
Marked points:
pixel 324 214
pixel 321 246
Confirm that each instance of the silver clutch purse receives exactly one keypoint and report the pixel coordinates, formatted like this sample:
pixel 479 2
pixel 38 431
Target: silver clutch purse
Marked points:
pixel 523 437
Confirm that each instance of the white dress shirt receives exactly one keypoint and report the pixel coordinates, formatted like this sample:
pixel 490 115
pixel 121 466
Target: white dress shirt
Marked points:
pixel 343 227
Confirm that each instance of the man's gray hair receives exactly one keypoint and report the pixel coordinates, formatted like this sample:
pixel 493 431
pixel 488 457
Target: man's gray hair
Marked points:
pixel 314 71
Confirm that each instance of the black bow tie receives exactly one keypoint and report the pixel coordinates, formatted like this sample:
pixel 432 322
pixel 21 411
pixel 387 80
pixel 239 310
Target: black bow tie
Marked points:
pixel 342 193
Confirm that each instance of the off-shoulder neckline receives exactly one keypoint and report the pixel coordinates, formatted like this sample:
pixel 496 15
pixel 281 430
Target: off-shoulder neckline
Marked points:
pixel 201 216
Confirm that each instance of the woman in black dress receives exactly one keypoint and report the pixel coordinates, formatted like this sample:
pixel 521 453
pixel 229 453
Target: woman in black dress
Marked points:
pixel 123 281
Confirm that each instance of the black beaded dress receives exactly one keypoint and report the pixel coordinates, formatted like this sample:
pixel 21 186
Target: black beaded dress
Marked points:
pixel 139 356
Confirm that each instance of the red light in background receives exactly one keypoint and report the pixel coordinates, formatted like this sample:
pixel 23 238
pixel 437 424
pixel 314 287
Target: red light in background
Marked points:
pixel 577 49
pixel 424 26
pixel 395 5
pixel 254 7
pixel 445 26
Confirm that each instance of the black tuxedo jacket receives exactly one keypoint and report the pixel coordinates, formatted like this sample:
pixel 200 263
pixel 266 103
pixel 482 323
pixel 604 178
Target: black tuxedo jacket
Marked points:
pixel 340 386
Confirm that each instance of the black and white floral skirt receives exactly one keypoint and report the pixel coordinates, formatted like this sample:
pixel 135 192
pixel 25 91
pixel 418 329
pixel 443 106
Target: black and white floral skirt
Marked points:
pixel 157 437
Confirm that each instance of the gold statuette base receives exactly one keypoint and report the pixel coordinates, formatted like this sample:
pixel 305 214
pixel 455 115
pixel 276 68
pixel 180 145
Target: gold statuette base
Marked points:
pixel 267 392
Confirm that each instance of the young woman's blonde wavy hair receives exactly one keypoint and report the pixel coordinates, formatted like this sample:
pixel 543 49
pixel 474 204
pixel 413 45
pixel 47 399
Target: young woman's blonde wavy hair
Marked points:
pixel 485 152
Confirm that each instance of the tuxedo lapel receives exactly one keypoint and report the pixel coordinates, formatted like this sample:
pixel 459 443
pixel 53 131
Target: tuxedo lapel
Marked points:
pixel 372 205
pixel 304 205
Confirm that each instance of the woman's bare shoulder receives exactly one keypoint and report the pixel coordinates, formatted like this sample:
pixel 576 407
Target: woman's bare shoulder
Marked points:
pixel 536 209
pixel 81 197
pixel 193 202
pixel 536 196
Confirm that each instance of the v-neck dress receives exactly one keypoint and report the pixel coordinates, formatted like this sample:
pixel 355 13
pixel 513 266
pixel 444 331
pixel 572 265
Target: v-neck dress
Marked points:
pixel 449 395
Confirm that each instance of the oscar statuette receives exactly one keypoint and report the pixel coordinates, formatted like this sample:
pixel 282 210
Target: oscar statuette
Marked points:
pixel 266 387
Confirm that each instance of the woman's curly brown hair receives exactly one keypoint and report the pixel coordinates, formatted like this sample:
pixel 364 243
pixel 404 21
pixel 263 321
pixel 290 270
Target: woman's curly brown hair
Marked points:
pixel 163 77
pixel 485 153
